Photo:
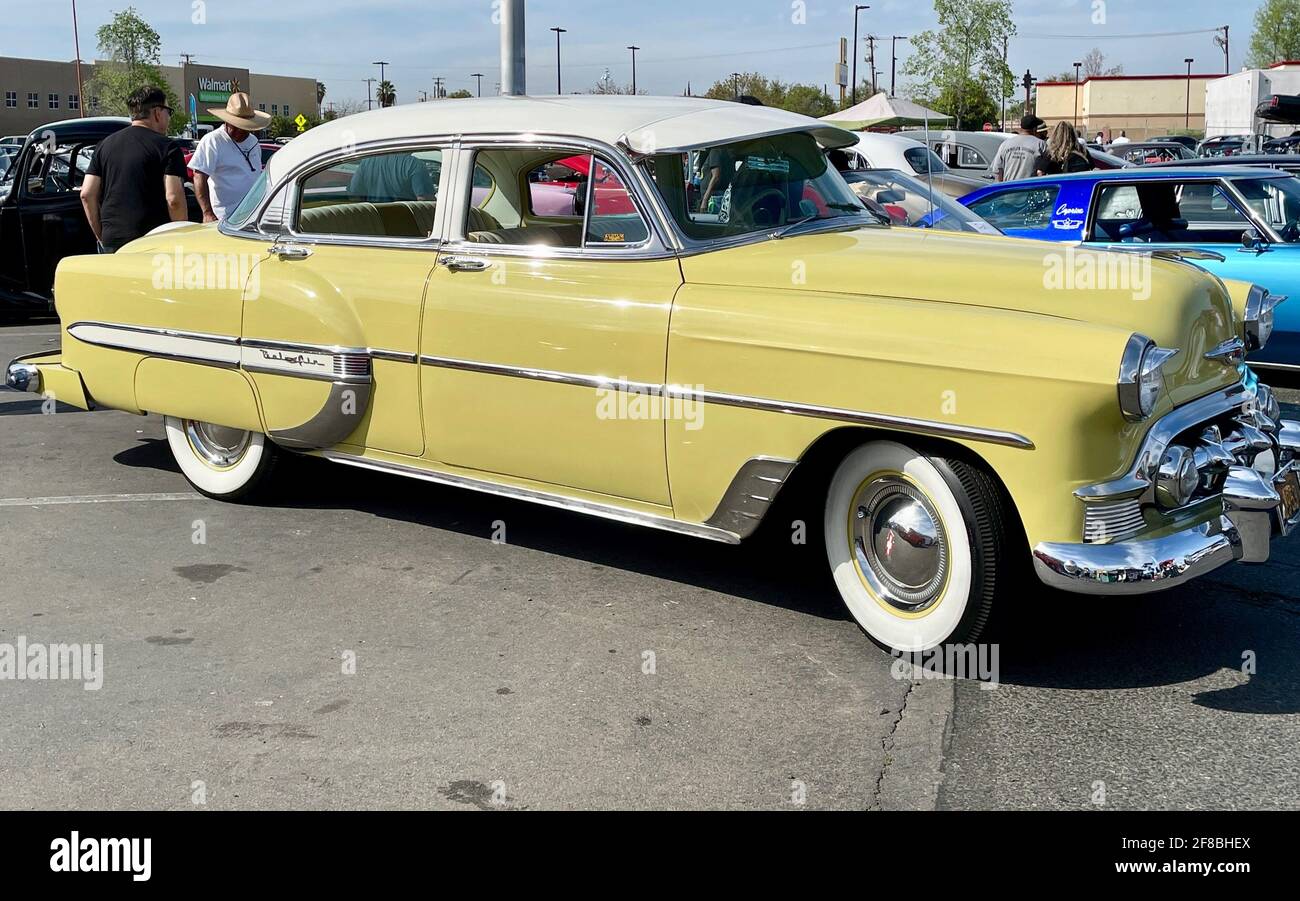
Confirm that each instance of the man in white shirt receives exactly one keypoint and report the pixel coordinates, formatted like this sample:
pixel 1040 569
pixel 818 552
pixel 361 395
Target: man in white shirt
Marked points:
pixel 1122 139
pixel 228 159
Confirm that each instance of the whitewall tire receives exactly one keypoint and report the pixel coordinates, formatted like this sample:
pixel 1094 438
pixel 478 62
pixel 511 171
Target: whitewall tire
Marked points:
pixel 914 544
pixel 220 462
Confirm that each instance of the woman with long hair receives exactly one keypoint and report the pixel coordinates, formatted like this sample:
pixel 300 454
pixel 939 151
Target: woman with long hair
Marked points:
pixel 1064 153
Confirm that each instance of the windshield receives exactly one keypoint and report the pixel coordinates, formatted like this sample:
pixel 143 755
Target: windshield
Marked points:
pixel 755 186
pixel 1276 201
pixel 910 203
pixel 917 158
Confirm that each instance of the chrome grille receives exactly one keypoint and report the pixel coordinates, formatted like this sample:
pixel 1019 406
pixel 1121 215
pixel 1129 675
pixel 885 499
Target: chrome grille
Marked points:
pixel 1114 521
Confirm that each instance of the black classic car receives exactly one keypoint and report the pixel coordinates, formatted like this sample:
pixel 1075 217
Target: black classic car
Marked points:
pixel 41 219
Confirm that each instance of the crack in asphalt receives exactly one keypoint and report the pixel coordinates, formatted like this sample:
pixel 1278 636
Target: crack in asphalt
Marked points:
pixel 887 745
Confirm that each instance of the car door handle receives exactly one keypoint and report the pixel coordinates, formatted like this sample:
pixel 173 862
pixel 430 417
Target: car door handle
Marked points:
pixel 465 264
pixel 290 253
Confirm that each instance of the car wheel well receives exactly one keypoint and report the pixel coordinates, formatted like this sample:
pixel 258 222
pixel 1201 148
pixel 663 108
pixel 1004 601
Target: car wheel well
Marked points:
pixel 806 486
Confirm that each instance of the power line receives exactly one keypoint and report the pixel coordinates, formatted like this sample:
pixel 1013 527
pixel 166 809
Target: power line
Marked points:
pixel 1115 37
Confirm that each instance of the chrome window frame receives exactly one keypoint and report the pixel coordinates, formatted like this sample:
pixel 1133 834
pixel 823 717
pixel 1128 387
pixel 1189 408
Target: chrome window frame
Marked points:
pixel 292 181
pixel 1224 184
pixel 656 246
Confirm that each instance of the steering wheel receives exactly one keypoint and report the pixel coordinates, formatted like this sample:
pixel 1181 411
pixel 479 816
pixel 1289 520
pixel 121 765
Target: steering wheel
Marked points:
pixel 764 209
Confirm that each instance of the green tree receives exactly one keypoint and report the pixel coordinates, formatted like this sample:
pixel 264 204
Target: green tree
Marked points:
pixel 387 94
pixel 967 47
pixel 977 106
pixel 130 52
pixel 462 94
pixel 1277 33
pixel 320 95
pixel 807 99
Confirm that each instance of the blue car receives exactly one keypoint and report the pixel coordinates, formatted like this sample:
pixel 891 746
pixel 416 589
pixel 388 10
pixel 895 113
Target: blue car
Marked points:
pixel 1248 216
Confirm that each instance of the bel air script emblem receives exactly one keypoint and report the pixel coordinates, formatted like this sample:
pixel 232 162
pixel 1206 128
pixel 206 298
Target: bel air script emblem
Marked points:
pixel 299 360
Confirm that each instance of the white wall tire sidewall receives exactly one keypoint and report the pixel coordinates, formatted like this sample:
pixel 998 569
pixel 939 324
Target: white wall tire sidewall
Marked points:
pixel 216 482
pixel 903 634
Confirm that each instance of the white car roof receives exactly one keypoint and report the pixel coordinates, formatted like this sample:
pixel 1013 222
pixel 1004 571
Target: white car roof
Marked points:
pixel 642 124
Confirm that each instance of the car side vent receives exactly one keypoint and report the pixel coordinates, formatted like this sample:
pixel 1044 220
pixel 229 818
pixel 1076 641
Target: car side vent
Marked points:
pixel 352 365
pixel 1112 522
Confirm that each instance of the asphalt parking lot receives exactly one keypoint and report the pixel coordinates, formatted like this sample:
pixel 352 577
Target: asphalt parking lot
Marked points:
pixel 576 664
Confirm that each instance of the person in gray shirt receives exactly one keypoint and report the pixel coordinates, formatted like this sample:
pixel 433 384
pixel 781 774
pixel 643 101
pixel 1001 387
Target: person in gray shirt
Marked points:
pixel 1015 158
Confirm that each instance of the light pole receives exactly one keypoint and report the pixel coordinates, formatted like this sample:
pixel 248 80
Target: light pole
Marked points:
pixel 1077 67
pixel 381 64
pixel 634 49
pixel 893 59
pixel 76 44
pixel 479 76
pixel 1028 83
pixel 369 82
pixel 856 9
pixel 1187 120
pixel 735 82
pixel 558 32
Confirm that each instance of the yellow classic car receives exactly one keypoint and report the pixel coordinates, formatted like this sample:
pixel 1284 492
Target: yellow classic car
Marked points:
pixel 533 297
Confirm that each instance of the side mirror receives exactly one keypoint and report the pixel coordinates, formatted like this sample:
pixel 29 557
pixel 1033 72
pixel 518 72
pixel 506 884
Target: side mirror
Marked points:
pixel 1253 242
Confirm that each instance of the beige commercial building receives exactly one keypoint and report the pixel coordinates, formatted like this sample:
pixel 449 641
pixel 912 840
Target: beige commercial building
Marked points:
pixel 37 91
pixel 1144 106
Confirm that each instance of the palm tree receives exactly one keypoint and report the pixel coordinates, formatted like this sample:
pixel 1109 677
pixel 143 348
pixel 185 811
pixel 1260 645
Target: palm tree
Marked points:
pixel 387 93
pixel 320 96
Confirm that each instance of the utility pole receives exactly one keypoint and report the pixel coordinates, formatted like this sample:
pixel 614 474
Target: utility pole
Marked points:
pixel 871 57
pixel 558 32
pixel 1187 121
pixel 381 65
pixel 424 96
pixel 186 58
pixel 735 82
pixel 479 76
pixel 1223 42
pixel 893 60
pixel 856 9
pixel 369 82
pixel 634 49
pixel 1028 82
pixel 438 92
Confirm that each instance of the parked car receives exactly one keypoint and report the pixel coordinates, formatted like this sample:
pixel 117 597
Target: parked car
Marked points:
pixel 1186 140
pixel 41 218
pixel 1279 161
pixel 1142 153
pixel 965 152
pixel 1248 218
pixel 1289 144
pixel 920 396
pixel 882 151
pixel 910 203
pixel 1223 145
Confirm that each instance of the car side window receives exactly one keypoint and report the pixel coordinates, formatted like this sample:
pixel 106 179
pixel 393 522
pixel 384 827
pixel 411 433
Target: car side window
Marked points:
pixel 1022 208
pixel 526 197
pixel 60 171
pixel 383 195
pixel 1206 205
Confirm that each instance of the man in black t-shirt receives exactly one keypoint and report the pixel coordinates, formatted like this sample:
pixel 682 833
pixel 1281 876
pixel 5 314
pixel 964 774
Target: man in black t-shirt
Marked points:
pixel 135 180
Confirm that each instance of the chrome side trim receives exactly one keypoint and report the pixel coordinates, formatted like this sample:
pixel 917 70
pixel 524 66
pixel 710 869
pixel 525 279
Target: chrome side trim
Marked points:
pixel 1138 567
pixel 857 417
pixel 337 418
pixel 548 499
pixel 1230 353
pixel 312 361
pixel 750 495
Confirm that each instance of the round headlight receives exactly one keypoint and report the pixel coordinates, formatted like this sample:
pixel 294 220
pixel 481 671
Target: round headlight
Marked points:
pixel 1140 377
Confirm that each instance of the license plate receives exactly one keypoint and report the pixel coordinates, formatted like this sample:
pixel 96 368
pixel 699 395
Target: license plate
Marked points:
pixel 1288 487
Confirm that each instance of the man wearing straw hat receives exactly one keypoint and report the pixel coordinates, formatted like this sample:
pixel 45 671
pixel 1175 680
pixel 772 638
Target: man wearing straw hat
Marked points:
pixel 228 159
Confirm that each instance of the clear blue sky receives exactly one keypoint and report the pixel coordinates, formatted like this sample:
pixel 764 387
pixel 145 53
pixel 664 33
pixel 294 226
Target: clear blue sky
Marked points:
pixel 681 39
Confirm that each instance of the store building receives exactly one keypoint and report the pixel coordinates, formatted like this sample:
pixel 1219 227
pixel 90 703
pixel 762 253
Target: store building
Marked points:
pixel 37 91
pixel 1144 106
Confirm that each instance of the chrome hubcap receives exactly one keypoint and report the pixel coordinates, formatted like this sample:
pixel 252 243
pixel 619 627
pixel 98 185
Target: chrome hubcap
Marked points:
pixel 217 445
pixel 899 543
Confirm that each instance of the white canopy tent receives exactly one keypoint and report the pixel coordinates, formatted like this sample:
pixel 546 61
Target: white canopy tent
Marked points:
pixel 883 110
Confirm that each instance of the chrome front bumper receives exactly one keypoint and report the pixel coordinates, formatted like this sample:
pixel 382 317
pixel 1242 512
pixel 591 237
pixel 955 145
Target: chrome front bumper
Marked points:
pixel 22 376
pixel 1257 509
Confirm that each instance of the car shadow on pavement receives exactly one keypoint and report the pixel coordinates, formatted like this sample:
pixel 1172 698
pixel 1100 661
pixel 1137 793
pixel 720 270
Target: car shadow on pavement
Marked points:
pixel 149 453
pixel 1209 628
pixel 34 407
